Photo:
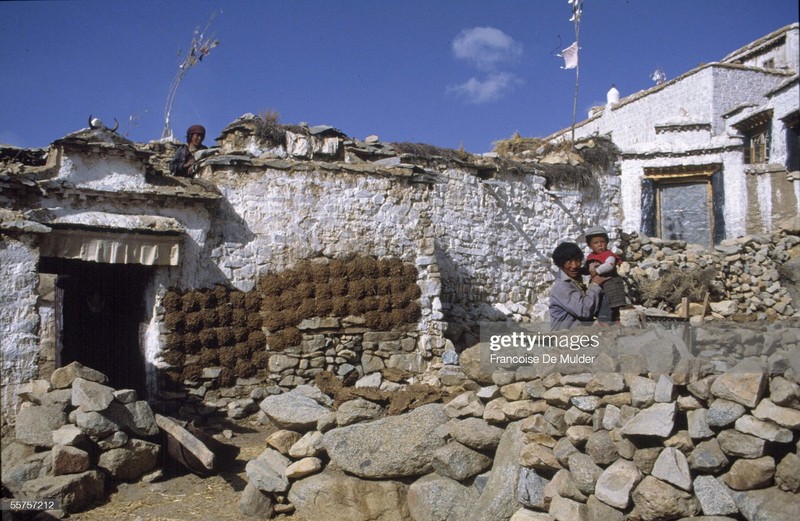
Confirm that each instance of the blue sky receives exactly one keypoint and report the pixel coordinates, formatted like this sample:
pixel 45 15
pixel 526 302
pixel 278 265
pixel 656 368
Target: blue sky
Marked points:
pixel 443 72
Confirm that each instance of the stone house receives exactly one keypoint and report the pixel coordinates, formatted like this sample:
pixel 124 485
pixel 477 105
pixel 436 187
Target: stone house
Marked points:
pixel 713 153
pixel 294 250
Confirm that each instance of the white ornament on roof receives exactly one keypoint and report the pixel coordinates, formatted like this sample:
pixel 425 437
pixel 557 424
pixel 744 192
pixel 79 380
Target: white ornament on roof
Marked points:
pixel 612 96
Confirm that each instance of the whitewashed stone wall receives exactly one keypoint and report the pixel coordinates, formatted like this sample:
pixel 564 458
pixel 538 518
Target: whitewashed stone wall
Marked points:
pixel 494 240
pixel 290 215
pixel 476 244
pixel 481 249
pixel 19 317
pixel 783 101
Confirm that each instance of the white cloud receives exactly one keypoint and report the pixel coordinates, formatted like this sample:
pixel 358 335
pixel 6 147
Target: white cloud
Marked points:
pixel 494 87
pixel 486 47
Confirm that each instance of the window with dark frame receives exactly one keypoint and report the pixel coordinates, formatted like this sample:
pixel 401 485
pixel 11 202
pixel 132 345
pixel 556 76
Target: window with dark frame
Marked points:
pixel 757 133
pixel 792 125
pixel 757 145
pixel 684 203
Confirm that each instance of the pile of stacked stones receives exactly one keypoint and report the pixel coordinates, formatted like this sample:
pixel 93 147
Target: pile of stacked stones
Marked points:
pixel 206 399
pixel 618 441
pixel 748 271
pixel 73 433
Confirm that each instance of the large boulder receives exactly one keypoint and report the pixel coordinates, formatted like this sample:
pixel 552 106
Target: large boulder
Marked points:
pixel 358 410
pixel 293 410
pixel 747 474
pixel 437 498
pixel 744 384
pixel 33 466
pixel 458 462
pixel 255 503
pixel 135 418
pixel 532 489
pixel 656 420
pixel 130 462
pixel 69 460
pixel 64 376
pixel 715 498
pixel 584 471
pixel 91 396
pixel 96 424
pixel 268 471
pixel 470 361
pixel 672 467
pixel 498 500
pixel 476 433
pixel 614 485
pixel 769 504
pixel 656 500
pixel 398 446
pixel 332 495
pixel 75 491
pixel 35 424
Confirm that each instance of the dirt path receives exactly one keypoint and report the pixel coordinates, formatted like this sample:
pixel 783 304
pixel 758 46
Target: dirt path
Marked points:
pixel 185 496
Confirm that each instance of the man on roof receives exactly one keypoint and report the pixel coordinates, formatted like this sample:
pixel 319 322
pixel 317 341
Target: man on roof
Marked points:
pixel 183 163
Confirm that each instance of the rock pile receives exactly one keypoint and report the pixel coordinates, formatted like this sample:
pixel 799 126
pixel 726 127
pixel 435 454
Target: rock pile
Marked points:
pixel 73 434
pixel 714 436
pixel 751 275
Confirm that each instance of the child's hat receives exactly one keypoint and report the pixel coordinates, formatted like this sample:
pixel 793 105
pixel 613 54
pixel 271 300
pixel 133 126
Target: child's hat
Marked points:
pixel 595 231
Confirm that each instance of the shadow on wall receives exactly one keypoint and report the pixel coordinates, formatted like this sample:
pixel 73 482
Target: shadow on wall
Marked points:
pixel 229 226
pixel 466 292
pixel 463 301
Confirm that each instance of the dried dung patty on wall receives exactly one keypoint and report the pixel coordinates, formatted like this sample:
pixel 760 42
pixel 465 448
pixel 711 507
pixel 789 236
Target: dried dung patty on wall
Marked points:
pixel 384 292
pixel 224 326
pixel 211 323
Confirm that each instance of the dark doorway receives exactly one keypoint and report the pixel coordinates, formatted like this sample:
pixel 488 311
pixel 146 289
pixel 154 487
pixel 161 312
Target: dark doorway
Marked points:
pixel 99 308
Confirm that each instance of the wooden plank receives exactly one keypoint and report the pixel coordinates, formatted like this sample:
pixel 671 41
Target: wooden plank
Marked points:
pixel 187 440
pixel 685 305
pixel 706 303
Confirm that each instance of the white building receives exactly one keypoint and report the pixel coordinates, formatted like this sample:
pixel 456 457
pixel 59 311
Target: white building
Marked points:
pixel 713 153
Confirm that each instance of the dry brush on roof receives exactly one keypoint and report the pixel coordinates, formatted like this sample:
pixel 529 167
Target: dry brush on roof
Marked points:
pixel 268 130
pixel 562 162
pixel 425 151
pixel 598 150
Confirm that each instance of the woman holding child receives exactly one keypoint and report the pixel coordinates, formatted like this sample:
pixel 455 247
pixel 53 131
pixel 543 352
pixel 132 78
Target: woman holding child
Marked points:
pixel 571 301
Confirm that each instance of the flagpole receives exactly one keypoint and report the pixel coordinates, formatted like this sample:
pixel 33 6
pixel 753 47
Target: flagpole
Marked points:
pixel 577 11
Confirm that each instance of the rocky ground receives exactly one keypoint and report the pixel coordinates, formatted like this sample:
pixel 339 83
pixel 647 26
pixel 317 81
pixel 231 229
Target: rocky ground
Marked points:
pixel 652 430
pixel 182 496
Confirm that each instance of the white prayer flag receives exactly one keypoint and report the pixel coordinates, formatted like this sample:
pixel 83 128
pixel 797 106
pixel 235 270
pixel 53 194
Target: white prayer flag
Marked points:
pixel 570 55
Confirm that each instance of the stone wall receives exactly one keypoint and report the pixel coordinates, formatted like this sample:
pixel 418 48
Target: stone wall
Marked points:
pixel 749 278
pixel 709 427
pixel 351 318
pixel 74 436
pixel 494 240
pixel 19 317
pixel 476 230
pixel 479 232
